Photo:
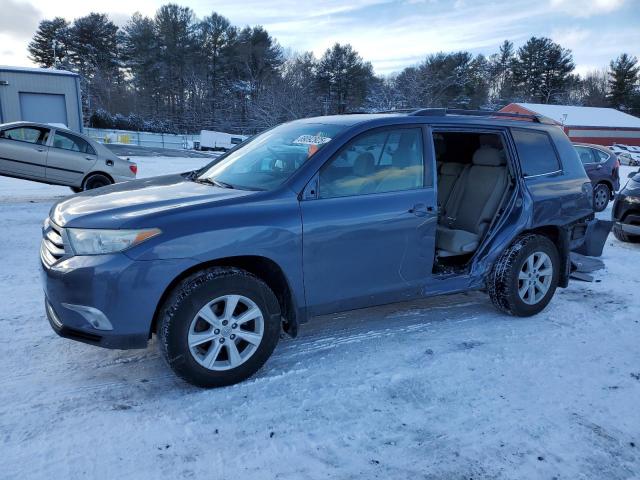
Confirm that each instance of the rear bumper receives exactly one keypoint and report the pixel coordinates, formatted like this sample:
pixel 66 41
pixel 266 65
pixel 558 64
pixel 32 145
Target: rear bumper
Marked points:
pixel 594 238
pixel 123 178
pixel 120 293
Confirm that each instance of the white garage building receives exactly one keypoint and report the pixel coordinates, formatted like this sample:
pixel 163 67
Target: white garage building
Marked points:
pixel 40 95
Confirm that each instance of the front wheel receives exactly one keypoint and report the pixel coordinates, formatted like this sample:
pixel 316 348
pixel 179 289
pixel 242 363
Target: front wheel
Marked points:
pixel 219 326
pixel 601 197
pixel 525 277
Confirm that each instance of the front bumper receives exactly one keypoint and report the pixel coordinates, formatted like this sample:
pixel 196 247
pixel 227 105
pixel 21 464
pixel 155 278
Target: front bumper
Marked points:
pixel 626 204
pixel 125 291
pixel 629 228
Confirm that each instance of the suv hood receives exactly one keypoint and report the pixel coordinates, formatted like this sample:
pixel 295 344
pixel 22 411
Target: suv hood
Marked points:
pixel 128 204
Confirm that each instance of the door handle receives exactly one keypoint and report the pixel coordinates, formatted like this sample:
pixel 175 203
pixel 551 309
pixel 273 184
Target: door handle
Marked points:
pixel 40 149
pixel 89 158
pixel 420 209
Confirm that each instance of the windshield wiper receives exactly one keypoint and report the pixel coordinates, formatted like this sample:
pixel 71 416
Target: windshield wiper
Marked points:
pixel 215 183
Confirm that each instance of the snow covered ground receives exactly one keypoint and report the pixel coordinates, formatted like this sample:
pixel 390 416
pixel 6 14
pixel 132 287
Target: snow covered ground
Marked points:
pixel 443 388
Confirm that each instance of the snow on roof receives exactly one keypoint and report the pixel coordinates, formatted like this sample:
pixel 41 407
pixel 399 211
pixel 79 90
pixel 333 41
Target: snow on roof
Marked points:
pixel 50 71
pixel 584 116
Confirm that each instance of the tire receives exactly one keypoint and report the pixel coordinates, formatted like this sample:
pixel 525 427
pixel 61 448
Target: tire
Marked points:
pixel 76 189
pixel 96 180
pixel 181 320
pixel 601 197
pixel 624 236
pixel 504 283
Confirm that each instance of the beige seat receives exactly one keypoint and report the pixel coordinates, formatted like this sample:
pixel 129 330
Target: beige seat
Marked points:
pixel 406 167
pixel 360 181
pixel 472 203
pixel 448 173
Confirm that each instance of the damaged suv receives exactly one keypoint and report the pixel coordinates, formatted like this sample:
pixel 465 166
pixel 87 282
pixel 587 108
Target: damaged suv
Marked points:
pixel 312 217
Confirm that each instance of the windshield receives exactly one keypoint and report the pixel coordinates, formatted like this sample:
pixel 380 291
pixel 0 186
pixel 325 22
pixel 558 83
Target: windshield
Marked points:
pixel 270 158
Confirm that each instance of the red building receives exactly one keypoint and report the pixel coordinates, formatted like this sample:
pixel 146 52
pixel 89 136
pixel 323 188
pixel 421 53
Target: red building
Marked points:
pixel 603 126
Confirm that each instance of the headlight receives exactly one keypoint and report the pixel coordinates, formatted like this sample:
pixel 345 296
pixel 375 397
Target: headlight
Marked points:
pixel 96 242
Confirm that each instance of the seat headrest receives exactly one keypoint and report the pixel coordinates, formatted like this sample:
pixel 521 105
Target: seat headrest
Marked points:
pixel 364 164
pixel 490 140
pixel 489 157
pixel 451 168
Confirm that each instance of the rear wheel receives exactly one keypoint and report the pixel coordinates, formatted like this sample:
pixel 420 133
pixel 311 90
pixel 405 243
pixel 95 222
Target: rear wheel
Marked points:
pixel 601 197
pixel 96 180
pixel 219 326
pixel 525 277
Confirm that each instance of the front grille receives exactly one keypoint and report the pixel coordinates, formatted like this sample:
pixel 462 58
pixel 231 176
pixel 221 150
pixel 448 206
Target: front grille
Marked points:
pixel 52 248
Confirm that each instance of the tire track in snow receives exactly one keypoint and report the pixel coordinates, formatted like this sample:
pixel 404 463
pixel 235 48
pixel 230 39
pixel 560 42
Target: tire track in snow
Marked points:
pixel 322 336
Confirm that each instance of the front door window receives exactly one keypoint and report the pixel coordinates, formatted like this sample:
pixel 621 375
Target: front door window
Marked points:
pixel 377 162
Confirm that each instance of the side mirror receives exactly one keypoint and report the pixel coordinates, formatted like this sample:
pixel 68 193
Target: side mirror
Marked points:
pixel 632 174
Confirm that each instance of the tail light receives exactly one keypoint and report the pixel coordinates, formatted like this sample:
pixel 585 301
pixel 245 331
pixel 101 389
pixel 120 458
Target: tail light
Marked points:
pixel 134 168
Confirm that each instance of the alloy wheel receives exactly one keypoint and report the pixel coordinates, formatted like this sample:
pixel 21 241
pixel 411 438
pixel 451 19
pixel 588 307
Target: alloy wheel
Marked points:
pixel 535 278
pixel 226 332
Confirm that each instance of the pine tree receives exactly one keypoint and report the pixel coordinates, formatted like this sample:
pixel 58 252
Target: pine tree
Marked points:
pixel 216 38
pixel 139 55
pixel 52 35
pixel 94 46
pixel 501 74
pixel 541 71
pixel 623 82
pixel 256 56
pixel 344 78
pixel 175 31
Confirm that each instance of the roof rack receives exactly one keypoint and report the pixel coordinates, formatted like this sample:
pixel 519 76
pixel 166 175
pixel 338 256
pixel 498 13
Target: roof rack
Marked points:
pixel 441 112
pixel 398 110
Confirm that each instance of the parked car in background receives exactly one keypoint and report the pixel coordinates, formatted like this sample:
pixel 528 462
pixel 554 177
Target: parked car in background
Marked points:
pixel 628 154
pixel 219 140
pixel 627 159
pixel 57 156
pixel 626 211
pixel 603 167
pixel 313 217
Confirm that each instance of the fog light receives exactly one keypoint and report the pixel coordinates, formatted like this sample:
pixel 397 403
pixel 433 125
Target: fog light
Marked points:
pixel 53 316
pixel 93 316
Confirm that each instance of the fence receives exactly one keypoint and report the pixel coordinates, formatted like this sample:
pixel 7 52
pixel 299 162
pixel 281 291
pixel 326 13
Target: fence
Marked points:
pixel 142 139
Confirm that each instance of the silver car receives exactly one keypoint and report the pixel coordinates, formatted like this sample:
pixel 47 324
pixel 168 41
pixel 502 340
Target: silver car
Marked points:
pixel 55 155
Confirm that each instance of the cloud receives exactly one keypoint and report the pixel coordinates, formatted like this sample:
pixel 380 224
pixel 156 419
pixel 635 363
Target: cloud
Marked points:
pixel 586 8
pixel 19 19
pixel 392 34
pixel 571 38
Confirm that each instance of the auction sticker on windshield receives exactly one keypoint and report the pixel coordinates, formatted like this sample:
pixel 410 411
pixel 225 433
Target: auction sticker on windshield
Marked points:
pixel 311 140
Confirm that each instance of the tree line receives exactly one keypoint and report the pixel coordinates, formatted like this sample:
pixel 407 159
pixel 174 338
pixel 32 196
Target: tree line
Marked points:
pixel 174 72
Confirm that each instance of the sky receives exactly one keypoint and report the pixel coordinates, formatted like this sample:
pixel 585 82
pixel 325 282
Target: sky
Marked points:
pixel 391 34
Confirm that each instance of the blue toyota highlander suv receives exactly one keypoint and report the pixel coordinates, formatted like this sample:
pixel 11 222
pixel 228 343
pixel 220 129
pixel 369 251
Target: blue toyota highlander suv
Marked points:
pixel 317 216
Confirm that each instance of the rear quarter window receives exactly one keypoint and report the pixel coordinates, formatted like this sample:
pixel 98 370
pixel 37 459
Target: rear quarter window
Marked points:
pixel 536 152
